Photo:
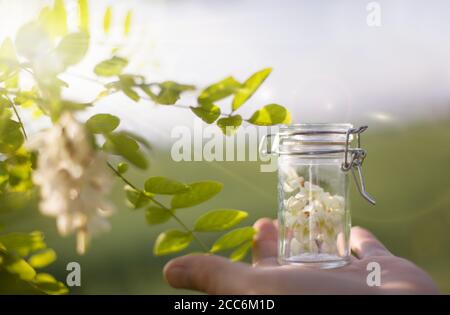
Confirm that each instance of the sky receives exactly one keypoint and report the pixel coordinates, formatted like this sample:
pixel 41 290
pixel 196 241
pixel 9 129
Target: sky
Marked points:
pixel 328 64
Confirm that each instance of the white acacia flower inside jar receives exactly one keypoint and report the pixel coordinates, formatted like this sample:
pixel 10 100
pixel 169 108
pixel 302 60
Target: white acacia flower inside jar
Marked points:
pixel 314 214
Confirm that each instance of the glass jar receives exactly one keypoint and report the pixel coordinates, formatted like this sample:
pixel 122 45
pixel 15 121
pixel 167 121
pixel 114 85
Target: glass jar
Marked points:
pixel 314 214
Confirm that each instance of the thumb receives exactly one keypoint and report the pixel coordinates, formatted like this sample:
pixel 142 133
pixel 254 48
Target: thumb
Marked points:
pixel 209 274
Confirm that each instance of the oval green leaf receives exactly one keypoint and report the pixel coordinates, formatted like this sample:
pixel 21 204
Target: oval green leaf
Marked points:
pixel 23 243
pixel 199 192
pixel 219 220
pixel 48 284
pixel 126 84
pixel 43 258
pixel 169 91
pixel 60 17
pixel 107 20
pixel 219 90
pixel 233 238
pixel 123 145
pixel 32 40
pixel 269 115
pixel 157 215
pixel 164 186
pixel 11 136
pixel 249 87
pixel 73 48
pixel 229 125
pixel 207 114
pixel 19 267
pixel 83 10
pixel 171 241
pixel 111 67
pixel 102 123
pixel 240 252
pixel 135 199
pixel 127 23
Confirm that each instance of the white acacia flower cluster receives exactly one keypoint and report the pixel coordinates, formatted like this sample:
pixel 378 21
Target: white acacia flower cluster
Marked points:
pixel 73 178
pixel 313 217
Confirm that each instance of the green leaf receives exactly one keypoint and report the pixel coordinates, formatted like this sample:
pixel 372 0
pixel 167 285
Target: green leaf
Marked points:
pixel 4 177
pixel 54 19
pixel 127 83
pixel 60 16
pixel 111 67
pixel 249 87
pixel 18 266
pixel 35 34
pixel 7 50
pixel 164 186
pixel 157 215
pixel 229 125
pixel 83 10
pixel 26 99
pixel 233 238
pixel 127 23
pixel 199 193
pixel 102 123
pixel 122 168
pixel 219 220
pixel 11 137
pixel 123 145
pixel 73 48
pixel 269 115
pixel 12 82
pixel 138 138
pixel 23 244
pixel 118 142
pixel 169 92
pixel 43 258
pixel 107 20
pixel 218 91
pixel 13 200
pixel 207 114
pixel 135 199
pixel 240 252
pixel 46 19
pixel 171 241
pixel 8 57
pixel 49 285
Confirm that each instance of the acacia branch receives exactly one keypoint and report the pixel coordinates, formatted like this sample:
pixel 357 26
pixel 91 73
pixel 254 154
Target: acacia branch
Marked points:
pixel 185 227
pixel 99 82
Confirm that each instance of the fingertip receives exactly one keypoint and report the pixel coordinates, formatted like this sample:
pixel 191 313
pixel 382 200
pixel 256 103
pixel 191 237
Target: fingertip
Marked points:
pixel 266 229
pixel 360 230
pixel 262 222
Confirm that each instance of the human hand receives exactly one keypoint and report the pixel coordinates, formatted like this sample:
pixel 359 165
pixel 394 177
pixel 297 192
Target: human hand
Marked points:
pixel 218 275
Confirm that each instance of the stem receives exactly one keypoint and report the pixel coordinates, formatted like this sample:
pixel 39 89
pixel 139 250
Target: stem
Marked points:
pixel 83 77
pixel 18 117
pixel 187 229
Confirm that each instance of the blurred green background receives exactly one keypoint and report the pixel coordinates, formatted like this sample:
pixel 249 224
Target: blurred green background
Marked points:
pixel 407 170
pixel 330 66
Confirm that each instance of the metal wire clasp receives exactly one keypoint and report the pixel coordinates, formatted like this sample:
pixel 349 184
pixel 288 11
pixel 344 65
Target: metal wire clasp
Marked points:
pixel 266 146
pixel 357 156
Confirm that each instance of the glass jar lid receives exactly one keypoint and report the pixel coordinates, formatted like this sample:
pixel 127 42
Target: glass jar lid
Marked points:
pixel 319 139
pixel 313 138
